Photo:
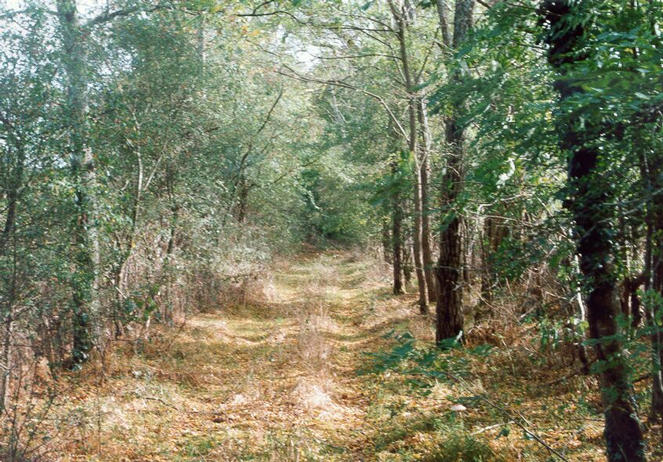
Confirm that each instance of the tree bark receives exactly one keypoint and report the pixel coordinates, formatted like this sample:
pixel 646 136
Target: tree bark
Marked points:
pixel 416 247
pixel 12 193
pixel 651 172
pixel 406 259
pixel 426 247
pixel 242 199
pixel 590 204
pixel 396 236
pixel 85 279
pixel 396 233
pixel 8 327
pixel 387 247
pixel 487 251
pixel 400 17
pixel 494 232
pixel 449 271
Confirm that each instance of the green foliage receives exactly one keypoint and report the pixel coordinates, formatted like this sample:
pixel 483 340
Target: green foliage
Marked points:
pixel 463 448
pixel 423 365
pixel 153 157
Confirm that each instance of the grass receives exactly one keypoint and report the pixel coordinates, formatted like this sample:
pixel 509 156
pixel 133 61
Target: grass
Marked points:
pixel 276 379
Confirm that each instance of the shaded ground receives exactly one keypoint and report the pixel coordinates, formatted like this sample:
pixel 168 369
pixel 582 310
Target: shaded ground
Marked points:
pixel 276 380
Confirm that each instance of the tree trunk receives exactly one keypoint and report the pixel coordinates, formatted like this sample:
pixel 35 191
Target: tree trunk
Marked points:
pixel 386 240
pixel 449 269
pixel 10 219
pixel 651 171
pixel 400 17
pixel 406 260
pixel 243 197
pixel 416 247
pixel 396 236
pixel 590 206
pixel 8 325
pixel 495 231
pixel 622 428
pixel 12 193
pixel 487 251
pixel 397 218
pixel 427 254
pixel 85 279
pixel 6 359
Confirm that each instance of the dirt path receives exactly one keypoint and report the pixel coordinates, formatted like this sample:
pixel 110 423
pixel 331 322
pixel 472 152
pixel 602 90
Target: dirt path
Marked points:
pixel 274 380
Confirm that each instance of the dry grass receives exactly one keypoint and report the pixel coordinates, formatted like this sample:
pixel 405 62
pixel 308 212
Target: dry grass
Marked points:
pixel 272 376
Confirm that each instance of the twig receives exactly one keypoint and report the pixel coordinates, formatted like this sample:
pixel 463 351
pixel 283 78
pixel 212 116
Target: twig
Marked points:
pixel 153 398
pixel 642 377
pixel 525 429
pixel 507 413
pixel 485 429
pixel 339 83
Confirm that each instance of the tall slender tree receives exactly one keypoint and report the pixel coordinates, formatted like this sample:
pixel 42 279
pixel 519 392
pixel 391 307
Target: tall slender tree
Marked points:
pixel 449 270
pixel 591 204
pixel 85 278
pixel 403 14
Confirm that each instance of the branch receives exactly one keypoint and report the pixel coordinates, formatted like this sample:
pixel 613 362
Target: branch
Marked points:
pixel 11 14
pixel 271 13
pixel 269 113
pixel 284 175
pixel 428 53
pixel 108 16
pixel 485 4
pixel 368 55
pixel 249 149
pixel 509 414
pixel 339 83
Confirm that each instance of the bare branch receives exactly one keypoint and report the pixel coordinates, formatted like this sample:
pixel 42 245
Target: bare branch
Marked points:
pixel 108 16
pixel 339 83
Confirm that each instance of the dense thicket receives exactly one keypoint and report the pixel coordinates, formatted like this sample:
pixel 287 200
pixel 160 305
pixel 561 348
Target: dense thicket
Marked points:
pixel 154 154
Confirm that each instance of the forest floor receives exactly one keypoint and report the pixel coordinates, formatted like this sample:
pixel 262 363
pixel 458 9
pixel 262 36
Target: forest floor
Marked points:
pixel 276 379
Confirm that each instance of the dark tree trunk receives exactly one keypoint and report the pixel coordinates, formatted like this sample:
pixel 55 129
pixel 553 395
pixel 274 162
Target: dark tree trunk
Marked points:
pixel 7 311
pixel 7 308
pixel 450 268
pixel 487 252
pixel 396 236
pixel 651 172
pixel 10 219
pixel 397 217
pixel 589 202
pixel 449 271
pixel 167 272
pixel 417 253
pixel 494 232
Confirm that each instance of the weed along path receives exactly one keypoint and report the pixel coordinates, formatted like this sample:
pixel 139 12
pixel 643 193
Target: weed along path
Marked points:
pixel 273 379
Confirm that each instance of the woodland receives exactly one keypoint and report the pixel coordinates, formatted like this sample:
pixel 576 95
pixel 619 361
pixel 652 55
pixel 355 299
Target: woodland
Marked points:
pixel 331 230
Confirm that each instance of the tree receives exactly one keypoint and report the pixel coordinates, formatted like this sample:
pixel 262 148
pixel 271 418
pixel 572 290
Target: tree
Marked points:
pixel 449 270
pixel 403 14
pixel 85 279
pixel 566 30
